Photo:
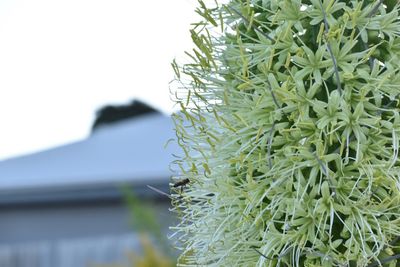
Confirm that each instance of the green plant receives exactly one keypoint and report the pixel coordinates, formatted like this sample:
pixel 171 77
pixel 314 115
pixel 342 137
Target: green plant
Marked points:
pixel 155 251
pixel 150 257
pixel 143 218
pixel 290 127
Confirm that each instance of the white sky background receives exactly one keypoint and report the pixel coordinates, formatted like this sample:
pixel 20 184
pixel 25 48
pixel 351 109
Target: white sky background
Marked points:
pixel 60 60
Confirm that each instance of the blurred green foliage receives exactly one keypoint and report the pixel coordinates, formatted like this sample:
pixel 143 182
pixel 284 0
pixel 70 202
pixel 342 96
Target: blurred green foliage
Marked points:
pixel 156 250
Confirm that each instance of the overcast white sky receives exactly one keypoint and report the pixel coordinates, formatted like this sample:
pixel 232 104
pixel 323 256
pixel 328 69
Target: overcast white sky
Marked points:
pixel 60 60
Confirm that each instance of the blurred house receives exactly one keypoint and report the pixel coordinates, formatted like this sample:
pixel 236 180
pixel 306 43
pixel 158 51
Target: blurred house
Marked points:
pixel 63 207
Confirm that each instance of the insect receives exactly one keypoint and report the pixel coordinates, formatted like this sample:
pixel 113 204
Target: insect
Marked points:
pixel 181 183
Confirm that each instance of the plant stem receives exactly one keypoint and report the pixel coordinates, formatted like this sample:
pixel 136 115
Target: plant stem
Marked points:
pixel 335 66
pixel 385 260
pixel 252 26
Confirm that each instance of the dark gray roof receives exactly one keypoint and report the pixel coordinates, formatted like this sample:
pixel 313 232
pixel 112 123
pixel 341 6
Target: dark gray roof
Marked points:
pixel 129 152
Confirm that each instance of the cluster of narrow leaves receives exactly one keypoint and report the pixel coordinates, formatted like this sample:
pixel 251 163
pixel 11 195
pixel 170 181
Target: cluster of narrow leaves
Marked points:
pixel 290 128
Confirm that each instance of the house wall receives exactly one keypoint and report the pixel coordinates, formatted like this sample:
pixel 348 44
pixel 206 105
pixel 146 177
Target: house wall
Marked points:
pixel 70 235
